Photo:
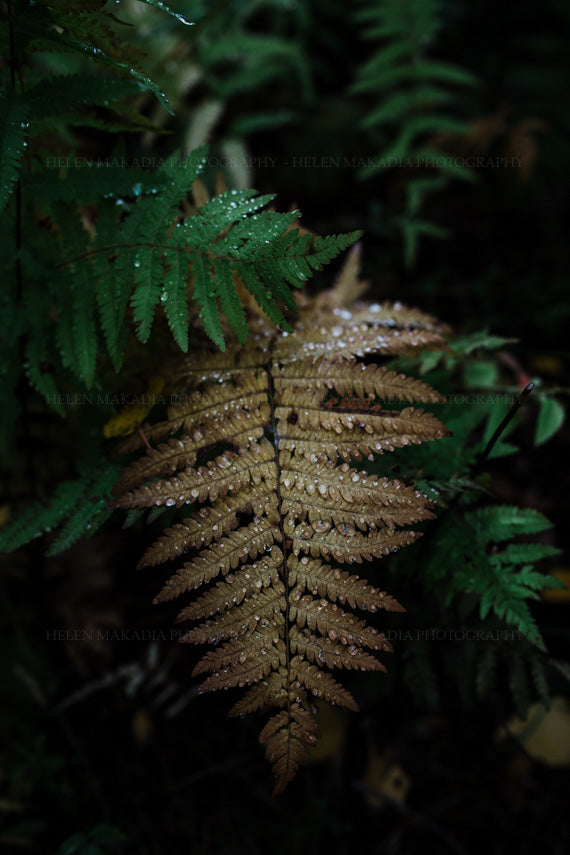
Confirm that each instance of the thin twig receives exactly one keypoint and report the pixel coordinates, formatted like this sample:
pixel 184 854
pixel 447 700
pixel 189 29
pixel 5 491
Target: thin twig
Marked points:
pixel 492 442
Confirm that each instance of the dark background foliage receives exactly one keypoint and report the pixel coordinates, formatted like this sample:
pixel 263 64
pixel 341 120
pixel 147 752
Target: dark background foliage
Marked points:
pixel 109 748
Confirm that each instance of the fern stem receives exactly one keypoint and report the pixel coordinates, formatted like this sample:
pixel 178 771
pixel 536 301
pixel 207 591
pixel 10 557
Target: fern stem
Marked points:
pixel 163 246
pixel 18 218
pixel 494 439
pixel 12 47
pixel 275 437
pixel 27 419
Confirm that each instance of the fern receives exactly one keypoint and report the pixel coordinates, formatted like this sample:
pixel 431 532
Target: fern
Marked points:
pixel 262 441
pixel 80 506
pixel 416 92
pixel 102 248
pixel 500 574
pixel 217 247
pixel 57 26
pixel 227 63
pixel 13 140
pixel 147 253
pixel 142 246
pixel 63 94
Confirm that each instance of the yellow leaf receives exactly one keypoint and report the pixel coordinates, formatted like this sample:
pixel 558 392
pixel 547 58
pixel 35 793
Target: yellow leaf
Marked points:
pixel 142 726
pixel 548 366
pixel 545 734
pixel 331 728
pixel 558 595
pixel 5 514
pixel 385 777
pixel 126 421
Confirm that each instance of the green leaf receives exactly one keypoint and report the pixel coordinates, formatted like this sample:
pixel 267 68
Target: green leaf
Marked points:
pixel 158 4
pixel 502 449
pixel 480 375
pixel 550 419
pixel 468 343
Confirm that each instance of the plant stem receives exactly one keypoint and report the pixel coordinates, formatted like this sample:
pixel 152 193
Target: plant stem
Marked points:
pixel 494 439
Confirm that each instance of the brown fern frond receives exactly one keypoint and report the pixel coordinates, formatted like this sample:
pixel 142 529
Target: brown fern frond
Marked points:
pixel 209 524
pixel 352 378
pixel 286 735
pixel 258 449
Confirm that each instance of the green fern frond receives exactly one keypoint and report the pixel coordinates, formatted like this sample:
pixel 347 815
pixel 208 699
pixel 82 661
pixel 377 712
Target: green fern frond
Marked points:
pixel 503 522
pixel 91 182
pixel 174 297
pixel 416 100
pixel 256 60
pixel 229 300
pixel 85 32
pixel 13 141
pixel 43 381
pixel 503 579
pixel 158 4
pixel 78 306
pixel 205 297
pixel 81 504
pixel 400 68
pixel 53 96
pixel 91 510
pixel 40 518
pixel 151 232
pixel 111 292
pixel 163 256
pixel 148 287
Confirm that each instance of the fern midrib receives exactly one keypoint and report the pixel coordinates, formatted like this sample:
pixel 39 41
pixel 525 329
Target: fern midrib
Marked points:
pixel 17 190
pixel 171 247
pixel 275 436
